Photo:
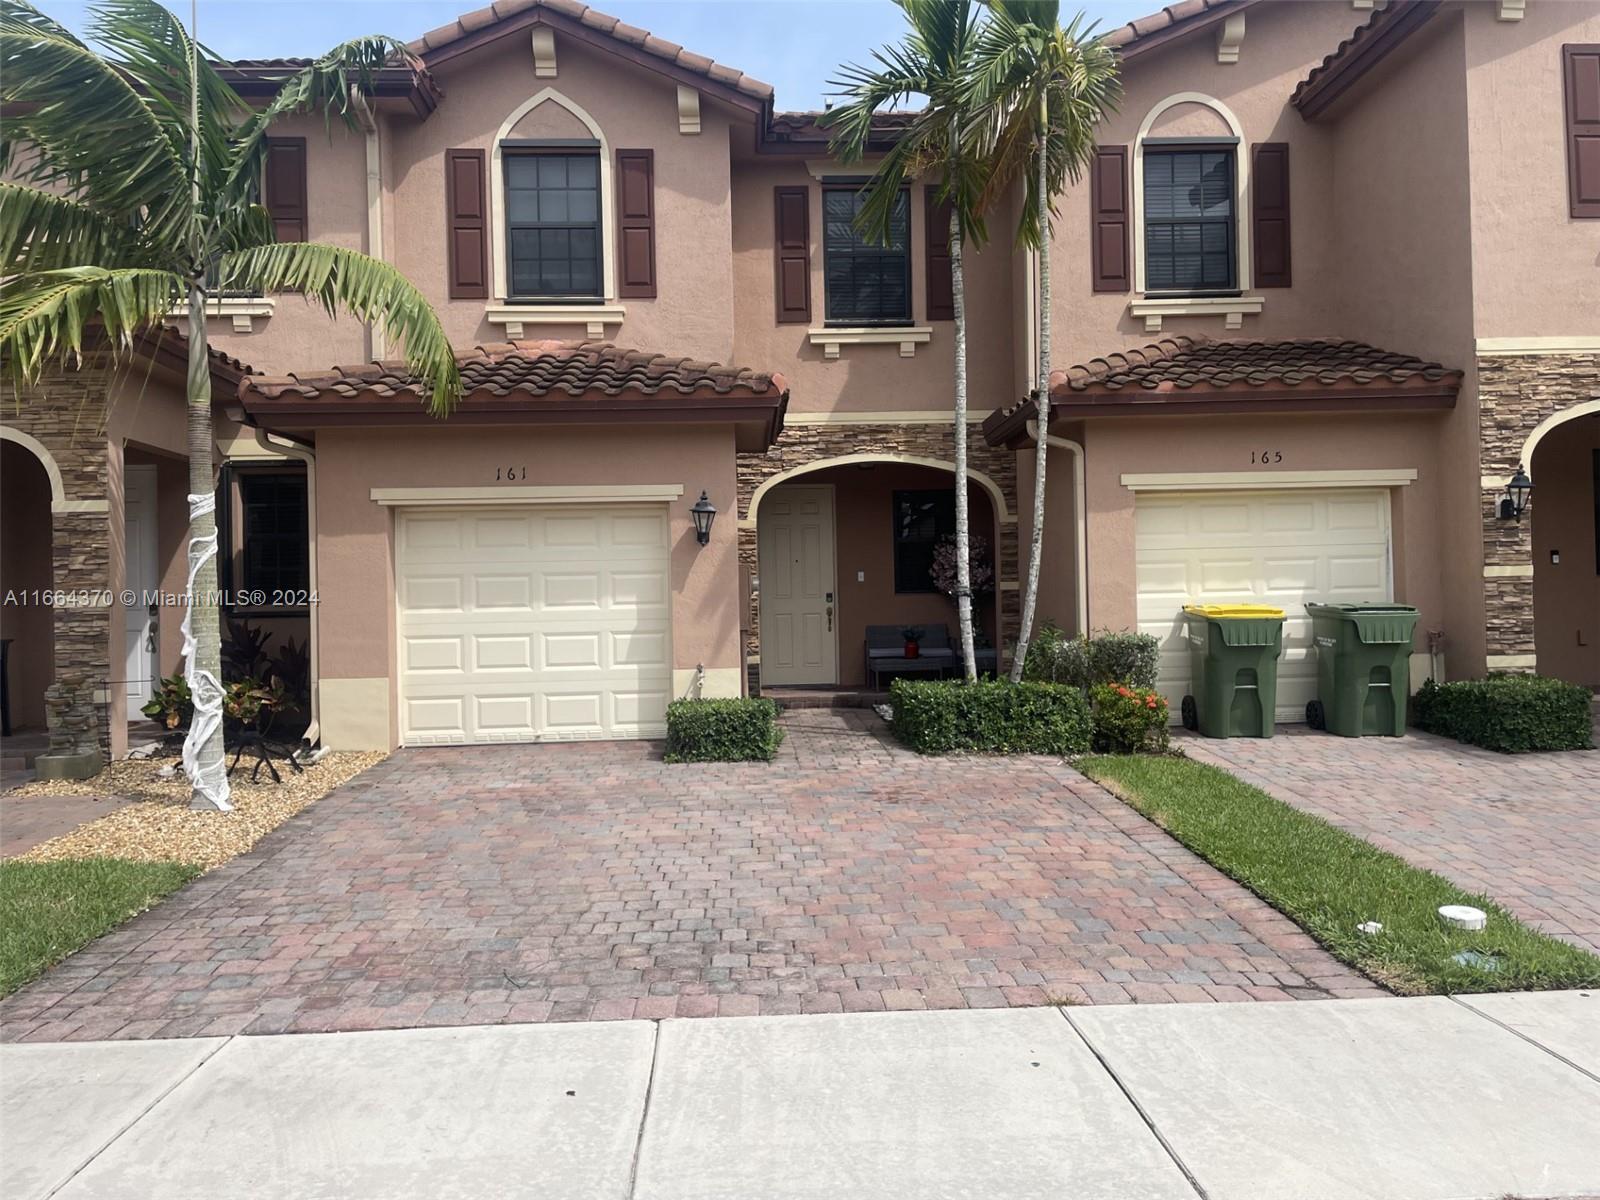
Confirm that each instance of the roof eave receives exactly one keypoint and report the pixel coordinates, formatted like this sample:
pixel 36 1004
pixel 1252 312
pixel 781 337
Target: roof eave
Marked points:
pixel 1157 38
pixel 1388 29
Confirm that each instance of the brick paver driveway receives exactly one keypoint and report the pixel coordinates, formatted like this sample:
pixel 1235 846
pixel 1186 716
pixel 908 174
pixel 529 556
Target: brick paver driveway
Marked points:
pixel 580 882
pixel 1524 829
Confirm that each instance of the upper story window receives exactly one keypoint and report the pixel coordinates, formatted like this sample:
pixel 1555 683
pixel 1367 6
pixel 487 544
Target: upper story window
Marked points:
pixel 1190 227
pixel 865 283
pixel 553 232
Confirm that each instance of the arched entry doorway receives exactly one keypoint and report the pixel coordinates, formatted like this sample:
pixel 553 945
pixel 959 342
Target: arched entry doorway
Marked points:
pixel 1563 459
pixel 846 543
pixel 27 493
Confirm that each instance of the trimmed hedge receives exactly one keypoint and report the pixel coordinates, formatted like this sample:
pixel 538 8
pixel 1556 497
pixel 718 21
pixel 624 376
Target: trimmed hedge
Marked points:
pixel 731 730
pixel 1127 658
pixel 1513 714
pixel 989 717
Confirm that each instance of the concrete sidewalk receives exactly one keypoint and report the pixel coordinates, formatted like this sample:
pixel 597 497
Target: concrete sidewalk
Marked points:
pixel 1395 1099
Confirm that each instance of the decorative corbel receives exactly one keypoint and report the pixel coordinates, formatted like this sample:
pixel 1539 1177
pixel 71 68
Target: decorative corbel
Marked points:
pixel 688 109
pixel 544 52
pixel 1230 34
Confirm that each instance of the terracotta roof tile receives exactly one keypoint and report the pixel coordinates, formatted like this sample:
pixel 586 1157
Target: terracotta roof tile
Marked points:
pixel 534 368
pixel 1183 363
pixel 670 52
pixel 1172 21
pixel 1358 53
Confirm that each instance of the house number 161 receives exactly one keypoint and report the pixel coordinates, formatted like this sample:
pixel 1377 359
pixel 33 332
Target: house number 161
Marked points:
pixel 510 474
pixel 1261 458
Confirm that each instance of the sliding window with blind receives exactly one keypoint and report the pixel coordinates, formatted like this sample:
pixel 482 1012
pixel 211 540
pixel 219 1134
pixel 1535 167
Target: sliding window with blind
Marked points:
pixel 866 282
pixel 553 232
pixel 1190 223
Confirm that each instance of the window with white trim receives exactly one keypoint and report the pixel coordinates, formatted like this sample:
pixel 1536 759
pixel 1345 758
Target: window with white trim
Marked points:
pixel 553 229
pixel 1190 223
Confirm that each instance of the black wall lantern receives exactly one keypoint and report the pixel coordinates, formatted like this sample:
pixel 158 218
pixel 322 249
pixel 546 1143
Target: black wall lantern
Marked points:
pixel 1515 502
pixel 704 512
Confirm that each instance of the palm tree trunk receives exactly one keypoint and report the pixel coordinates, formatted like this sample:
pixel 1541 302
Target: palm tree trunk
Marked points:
pixel 1041 394
pixel 958 288
pixel 202 631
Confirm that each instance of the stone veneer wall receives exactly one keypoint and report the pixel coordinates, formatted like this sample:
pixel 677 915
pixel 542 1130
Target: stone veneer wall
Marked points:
pixel 66 412
pixel 1516 393
pixel 801 444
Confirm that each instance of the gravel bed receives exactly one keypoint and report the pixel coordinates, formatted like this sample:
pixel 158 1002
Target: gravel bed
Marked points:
pixel 161 826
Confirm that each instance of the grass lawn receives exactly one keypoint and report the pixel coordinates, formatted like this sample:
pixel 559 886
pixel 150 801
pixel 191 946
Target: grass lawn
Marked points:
pixel 1330 881
pixel 50 909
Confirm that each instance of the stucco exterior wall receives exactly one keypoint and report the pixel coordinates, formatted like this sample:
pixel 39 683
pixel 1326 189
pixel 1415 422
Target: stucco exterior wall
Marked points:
pixel 357 617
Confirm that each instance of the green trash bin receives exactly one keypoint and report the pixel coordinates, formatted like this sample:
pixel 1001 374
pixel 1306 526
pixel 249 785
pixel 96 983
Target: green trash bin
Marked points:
pixel 1363 668
pixel 1233 649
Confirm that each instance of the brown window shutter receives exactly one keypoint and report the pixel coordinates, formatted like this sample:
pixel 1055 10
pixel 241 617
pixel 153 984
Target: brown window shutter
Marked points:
pixel 284 187
pixel 466 201
pixel 1580 76
pixel 792 248
pixel 941 288
pixel 636 223
pixel 1108 212
pixel 1269 209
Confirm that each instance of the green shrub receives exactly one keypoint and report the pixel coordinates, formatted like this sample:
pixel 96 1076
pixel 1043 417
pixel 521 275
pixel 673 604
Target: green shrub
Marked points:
pixel 1509 713
pixel 1128 720
pixel 1128 658
pixel 989 717
pixel 722 731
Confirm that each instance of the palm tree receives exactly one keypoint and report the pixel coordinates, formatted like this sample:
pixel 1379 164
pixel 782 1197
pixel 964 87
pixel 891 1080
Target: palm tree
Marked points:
pixel 135 174
pixel 930 64
pixel 1035 93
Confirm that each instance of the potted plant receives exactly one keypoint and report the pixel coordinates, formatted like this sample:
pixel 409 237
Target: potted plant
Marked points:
pixel 913 637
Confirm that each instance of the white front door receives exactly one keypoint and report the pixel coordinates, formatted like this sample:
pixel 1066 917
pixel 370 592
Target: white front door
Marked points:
pixel 798 612
pixel 1284 548
pixel 139 520
pixel 534 624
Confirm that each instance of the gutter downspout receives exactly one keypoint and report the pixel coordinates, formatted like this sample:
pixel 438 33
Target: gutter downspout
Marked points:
pixel 285 447
pixel 1081 532
pixel 377 346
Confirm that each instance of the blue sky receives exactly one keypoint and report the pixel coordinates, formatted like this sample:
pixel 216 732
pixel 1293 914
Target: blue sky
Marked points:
pixel 793 46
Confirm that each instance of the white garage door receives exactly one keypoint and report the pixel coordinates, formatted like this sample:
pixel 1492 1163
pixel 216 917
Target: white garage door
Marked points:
pixel 1282 548
pixel 533 624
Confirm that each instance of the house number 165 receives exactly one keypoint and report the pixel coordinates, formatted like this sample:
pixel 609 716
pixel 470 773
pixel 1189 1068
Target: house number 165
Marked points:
pixel 510 474
pixel 1261 458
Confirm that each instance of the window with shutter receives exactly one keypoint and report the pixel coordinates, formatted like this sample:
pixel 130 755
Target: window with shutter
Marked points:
pixel 1108 205
pixel 1269 212
pixel 467 210
pixel 792 254
pixel 865 282
pixel 284 188
pixel 1190 240
pixel 941 289
pixel 1580 72
pixel 636 223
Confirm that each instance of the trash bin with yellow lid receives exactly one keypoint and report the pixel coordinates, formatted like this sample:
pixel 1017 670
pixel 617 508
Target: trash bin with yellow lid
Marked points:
pixel 1363 668
pixel 1233 652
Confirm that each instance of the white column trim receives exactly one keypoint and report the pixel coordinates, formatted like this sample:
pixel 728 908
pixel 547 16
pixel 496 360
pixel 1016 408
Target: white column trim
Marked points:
pixel 1564 344
pixel 1518 571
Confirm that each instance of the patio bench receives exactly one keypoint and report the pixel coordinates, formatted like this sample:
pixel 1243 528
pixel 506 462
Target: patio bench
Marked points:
pixel 886 653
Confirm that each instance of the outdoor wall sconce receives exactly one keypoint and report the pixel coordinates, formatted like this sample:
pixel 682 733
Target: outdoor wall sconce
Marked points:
pixel 704 512
pixel 1515 502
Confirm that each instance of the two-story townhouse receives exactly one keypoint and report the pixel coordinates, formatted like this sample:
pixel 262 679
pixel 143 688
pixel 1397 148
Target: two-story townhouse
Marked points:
pixel 1331 279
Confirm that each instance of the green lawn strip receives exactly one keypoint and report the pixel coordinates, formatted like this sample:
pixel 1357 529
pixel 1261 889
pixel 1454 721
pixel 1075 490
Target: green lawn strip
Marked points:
pixel 50 909
pixel 1329 881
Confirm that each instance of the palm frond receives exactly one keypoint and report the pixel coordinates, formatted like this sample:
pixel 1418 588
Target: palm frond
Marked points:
pixel 44 314
pixel 325 86
pixel 41 231
pixel 337 278
pixel 96 137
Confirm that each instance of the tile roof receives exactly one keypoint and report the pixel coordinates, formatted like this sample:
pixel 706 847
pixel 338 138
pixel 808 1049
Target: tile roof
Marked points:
pixel 533 368
pixel 1359 53
pixel 806 127
pixel 1173 21
pixel 641 39
pixel 1200 375
pixel 1183 363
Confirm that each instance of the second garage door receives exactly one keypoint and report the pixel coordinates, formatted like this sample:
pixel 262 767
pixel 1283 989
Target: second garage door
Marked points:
pixel 533 623
pixel 1281 548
